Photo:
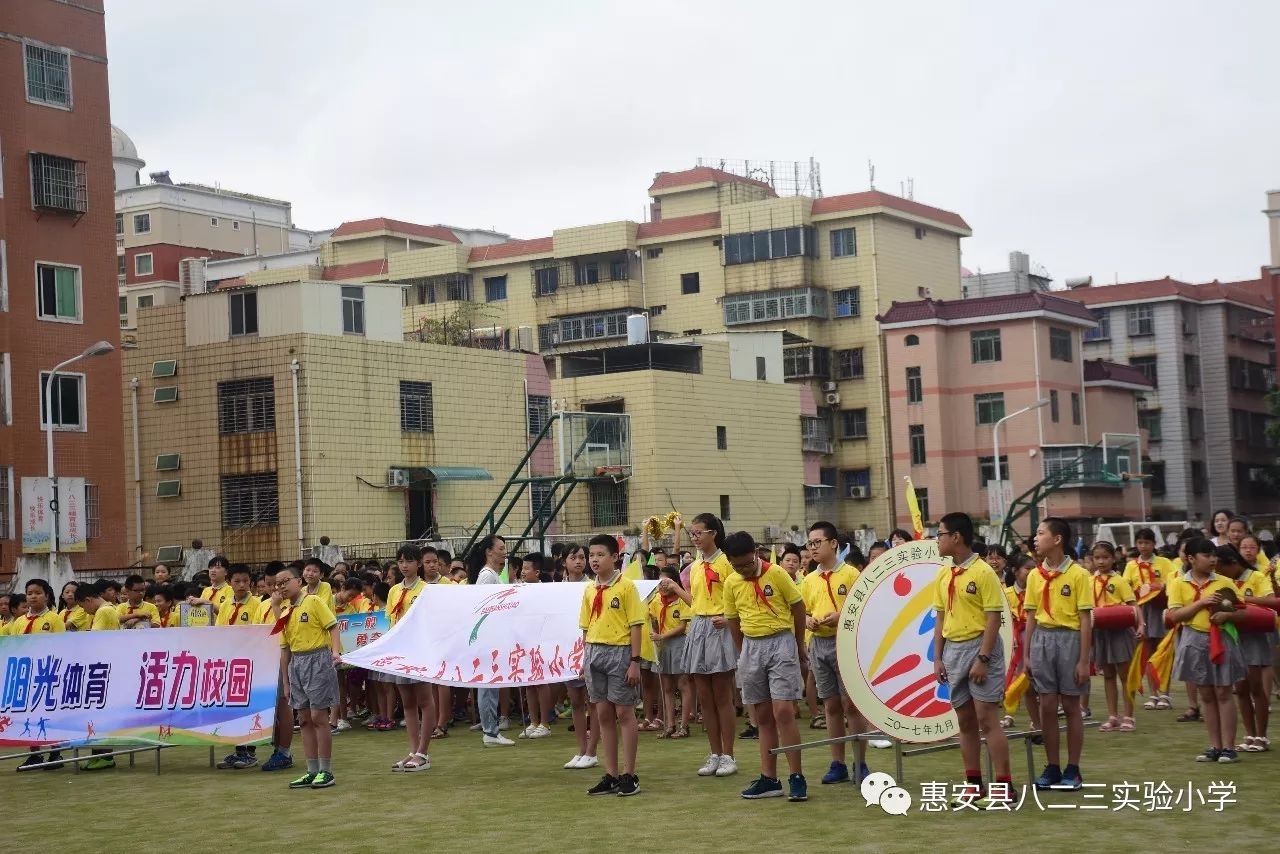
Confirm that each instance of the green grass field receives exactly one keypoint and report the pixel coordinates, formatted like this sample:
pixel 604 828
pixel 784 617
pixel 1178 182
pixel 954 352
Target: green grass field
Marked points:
pixel 519 798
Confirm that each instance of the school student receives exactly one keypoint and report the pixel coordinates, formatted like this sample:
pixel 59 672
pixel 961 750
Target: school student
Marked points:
pixel 573 560
pixel 38 619
pixel 669 621
pixel 1016 593
pixel 242 609
pixel 1197 602
pixel 766 616
pixel 134 612
pixel 1252 692
pixel 102 615
pixel 1113 649
pixel 824 590
pixel 968 655
pixel 313 572
pixel 710 657
pixel 486 561
pixel 166 602
pixel 1058 641
pixel 417 698
pixel 611 618
pixel 310 649
pixel 1148 574
pixel 66 606
pixel 218 590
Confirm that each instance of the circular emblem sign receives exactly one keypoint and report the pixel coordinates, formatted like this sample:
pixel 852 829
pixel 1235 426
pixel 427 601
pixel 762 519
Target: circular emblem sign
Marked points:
pixel 884 645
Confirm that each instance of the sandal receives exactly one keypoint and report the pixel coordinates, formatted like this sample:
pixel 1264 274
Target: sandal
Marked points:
pixel 440 732
pixel 399 766
pixel 1112 724
pixel 1150 704
pixel 1163 703
pixel 656 725
pixel 417 762
pixel 819 722
pixel 1246 746
pixel 1128 725
pixel 681 731
pixel 1191 715
pixel 666 733
pixel 1261 744
pixel 1006 722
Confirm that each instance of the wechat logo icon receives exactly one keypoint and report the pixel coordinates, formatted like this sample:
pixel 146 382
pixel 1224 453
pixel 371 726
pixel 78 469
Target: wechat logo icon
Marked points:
pixel 880 789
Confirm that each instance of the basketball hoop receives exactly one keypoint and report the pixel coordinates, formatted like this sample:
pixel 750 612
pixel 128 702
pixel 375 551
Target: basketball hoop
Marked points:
pixel 614 473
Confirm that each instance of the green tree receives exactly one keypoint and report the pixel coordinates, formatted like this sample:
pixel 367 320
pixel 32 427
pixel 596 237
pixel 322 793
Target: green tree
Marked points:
pixel 458 328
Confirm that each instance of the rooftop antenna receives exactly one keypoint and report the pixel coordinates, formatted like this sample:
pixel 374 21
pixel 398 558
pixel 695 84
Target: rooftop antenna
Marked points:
pixel 871 171
pixel 911 188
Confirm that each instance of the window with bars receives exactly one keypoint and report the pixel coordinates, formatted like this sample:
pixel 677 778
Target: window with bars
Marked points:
pixel 541 497
pixel 857 483
pixel 48 75
pixel 539 408
pixel 250 500
pixel 915 386
pixel 608 503
pixel 806 361
pixel 1060 344
pixel 247 406
pixel 848 302
pixel 142 223
pixel 1140 320
pixel 353 310
pixel 989 407
pixel 844 242
pixel 1064 460
pixel 849 364
pixel 546 281
pixel 915 438
pixel 58 183
pixel 586 327
pixel 853 423
pixel 1102 331
pixel 92 512
pixel 775 305
pixel 987 470
pixel 417 414
pixel 1146 364
pixel 984 345
pixel 1149 420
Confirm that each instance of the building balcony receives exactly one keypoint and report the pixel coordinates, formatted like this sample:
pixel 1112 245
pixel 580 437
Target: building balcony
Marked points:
pixel 815 435
pixel 806 362
pixel 801 303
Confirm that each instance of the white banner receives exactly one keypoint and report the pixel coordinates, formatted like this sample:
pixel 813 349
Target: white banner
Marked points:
pixel 71 518
pixel 491 634
pixel 37 492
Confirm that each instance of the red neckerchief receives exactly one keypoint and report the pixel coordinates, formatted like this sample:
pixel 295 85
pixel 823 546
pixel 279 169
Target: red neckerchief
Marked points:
pixel 1145 573
pixel 164 621
pixel 709 575
pixel 31 621
pixel 235 612
pixel 597 605
pixel 667 599
pixel 284 618
pixel 1048 577
pixel 956 572
pixel 1099 589
pixel 398 610
pixel 755 584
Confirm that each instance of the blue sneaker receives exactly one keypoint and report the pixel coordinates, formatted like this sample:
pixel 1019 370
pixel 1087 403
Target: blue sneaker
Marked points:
pixel 798 788
pixel 837 773
pixel 1071 778
pixel 1050 777
pixel 764 787
pixel 278 762
pixel 863 771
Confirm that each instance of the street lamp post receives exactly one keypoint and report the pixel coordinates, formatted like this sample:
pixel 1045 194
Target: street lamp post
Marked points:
pixel 995 442
pixel 99 349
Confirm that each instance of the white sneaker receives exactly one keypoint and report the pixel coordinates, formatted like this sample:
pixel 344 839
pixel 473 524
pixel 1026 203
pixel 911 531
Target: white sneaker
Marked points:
pixel 539 731
pixel 587 762
pixel 504 724
pixel 710 767
pixel 524 733
pixel 572 763
pixel 343 725
pixel 880 743
pixel 497 741
pixel 728 765
pixel 476 727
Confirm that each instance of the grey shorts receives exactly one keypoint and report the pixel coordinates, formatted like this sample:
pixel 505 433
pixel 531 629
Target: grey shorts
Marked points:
pixel 958 657
pixel 604 669
pixel 1191 662
pixel 708 649
pixel 1054 655
pixel 769 669
pixel 671 656
pixel 826 671
pixel 313 680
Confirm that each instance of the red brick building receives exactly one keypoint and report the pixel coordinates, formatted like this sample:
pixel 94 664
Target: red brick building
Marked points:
pixel 58 273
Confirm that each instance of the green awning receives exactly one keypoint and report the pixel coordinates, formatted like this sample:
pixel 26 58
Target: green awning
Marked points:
pixel 439 473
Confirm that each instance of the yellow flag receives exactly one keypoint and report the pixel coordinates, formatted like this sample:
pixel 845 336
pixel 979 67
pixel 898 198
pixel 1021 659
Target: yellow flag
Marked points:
pixel 633 570
pixel 914 506
pixel 1133 679
pixel 773 555
pixel 1014 693
pixel 1160 665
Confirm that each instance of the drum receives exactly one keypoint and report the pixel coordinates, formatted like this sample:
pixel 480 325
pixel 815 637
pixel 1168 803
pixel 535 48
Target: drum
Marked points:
pixel 1257 620
pixel 1115 617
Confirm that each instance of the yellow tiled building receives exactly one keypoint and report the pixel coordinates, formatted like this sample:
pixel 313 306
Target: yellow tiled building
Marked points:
pixel 721 252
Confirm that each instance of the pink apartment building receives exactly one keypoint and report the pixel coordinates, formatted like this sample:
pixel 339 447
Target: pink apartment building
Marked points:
pixel 955 368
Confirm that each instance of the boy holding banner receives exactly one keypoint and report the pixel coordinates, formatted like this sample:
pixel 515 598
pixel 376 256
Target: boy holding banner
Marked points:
pixel 242 609
pixel 766 617
pixel 39 619
pixel 218 590
pixel 611 618
pixel 968 656
pixel 310 650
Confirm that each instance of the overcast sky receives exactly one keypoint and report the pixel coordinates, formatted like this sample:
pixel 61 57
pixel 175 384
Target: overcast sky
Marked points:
pixel 1118 139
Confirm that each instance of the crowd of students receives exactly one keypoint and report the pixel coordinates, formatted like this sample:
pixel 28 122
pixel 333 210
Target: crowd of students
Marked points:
pixel 728 631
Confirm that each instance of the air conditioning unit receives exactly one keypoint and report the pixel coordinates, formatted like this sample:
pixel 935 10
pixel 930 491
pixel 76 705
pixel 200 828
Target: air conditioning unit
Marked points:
pixel 397 478
pixel 191 275
pixel 828 387
pixel 859 492
pixel 525 339
pixel 772 533
pixel 833 398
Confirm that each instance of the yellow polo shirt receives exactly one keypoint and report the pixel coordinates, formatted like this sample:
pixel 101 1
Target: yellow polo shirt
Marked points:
pixel 173 620
pixel 1069 594
pixel 356 605
pixel 242 614
pixel 767 611
pixel 964 602
pixel 323 591
pixel 1187 591
pixel 708 601
pixel 47 623
pixel 825 592
pixel 217 597
pixel 621 608
pixel 406 595
pixel 308 625
pixel 77 620
pixel 1254 583
pixel 677 613
pixel 1138 572
pixel 107 619
pixel 145 609
pixel 1111 589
